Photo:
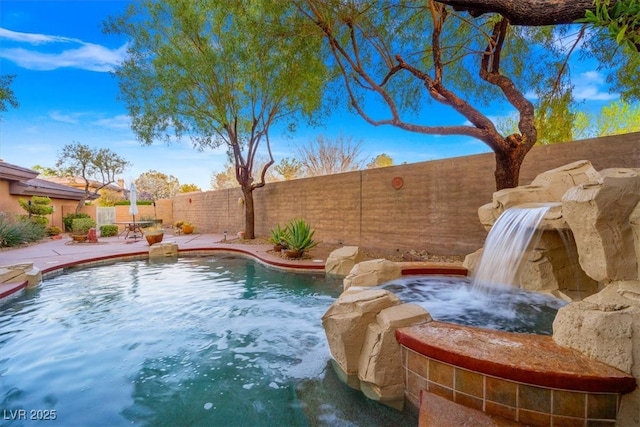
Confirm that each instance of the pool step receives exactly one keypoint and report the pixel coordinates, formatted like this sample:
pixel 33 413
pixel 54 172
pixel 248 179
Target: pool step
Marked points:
pixel 436 411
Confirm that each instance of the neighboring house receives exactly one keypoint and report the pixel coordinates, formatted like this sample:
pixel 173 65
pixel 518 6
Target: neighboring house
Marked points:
pixel 78 182
pixel 17 183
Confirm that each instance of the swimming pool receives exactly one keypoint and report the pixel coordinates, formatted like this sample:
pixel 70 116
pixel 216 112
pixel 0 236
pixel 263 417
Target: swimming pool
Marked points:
pixel 212 341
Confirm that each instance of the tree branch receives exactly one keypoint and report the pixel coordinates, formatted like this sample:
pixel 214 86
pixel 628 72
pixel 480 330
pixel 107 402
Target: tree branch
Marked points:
pixel 528 12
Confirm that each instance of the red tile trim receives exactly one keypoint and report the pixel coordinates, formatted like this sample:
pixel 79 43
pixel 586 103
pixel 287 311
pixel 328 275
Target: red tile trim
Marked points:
pixel 533 359
pixel 10 288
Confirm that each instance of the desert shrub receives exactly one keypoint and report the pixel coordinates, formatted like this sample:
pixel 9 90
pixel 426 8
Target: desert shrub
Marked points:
pixel 138 202
pixel 299 235
pixel 53 231
pixel 68 219
pixel 108 230
pixel 15 231
pixel 82 225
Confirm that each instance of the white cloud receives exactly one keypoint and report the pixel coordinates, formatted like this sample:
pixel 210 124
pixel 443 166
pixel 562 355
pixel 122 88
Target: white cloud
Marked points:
pixel 72 118
pixel 88 56
pixel 121 121
pixel 33 38
pixel 588 87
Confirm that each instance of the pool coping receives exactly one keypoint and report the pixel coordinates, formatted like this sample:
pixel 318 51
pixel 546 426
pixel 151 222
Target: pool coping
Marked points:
pixel 524 358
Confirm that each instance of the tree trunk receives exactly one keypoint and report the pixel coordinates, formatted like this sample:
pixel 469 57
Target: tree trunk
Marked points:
pixel 81 203
pixel 249 214
pixel 508 162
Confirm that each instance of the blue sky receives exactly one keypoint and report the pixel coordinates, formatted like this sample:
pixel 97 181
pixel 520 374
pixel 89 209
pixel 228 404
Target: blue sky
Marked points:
pixel 62 61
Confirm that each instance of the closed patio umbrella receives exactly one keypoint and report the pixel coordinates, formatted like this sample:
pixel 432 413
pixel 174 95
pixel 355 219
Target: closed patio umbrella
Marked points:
pixel 133 205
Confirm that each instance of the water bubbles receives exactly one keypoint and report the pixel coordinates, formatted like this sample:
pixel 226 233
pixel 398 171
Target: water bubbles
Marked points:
pixel 208 406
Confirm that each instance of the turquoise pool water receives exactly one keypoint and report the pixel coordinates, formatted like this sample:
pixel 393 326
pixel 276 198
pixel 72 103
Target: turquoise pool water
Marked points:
pixel 214 341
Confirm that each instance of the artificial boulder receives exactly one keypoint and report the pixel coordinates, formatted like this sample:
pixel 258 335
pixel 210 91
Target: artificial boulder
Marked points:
pixel 606 327
pixel 599 213
pixel 345 324
pixel 163 250
pixel 380 364
pixel 372 273
pixel 341 261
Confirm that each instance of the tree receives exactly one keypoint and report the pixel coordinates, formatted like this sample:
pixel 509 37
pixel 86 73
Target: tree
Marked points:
pixel 102 165
pixel 7 97
pixel 38 207
pixel 188 188
pixel 380 161
pixel 405 54
pixel 221 73
pixel 45 170
pixel 157 184
pixel 325 156
pixel 225 179
pixel 615 118
pixel 289 168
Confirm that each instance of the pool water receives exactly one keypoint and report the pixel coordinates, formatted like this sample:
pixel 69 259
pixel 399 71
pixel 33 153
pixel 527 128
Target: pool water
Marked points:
pixel 454 299
pixel 213 341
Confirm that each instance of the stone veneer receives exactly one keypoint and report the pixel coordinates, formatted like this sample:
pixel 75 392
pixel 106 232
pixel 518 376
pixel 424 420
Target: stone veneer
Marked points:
pixel 525 378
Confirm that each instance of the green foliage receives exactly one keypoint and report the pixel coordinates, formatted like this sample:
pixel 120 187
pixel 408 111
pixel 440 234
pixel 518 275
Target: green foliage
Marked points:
pixel 41 221
pixel 109 197
pixel 67 220
pixel 108 230
pixel 53 231
pixel 82 225
pixel 299 235
pixel 188 188
pixel 288 168
pixel 277 235
pixel 15 231
pixel 91 164
pixel 7 96
pixel 221 74
pixel 45 170
pixel 566 125
pixel 138 202
pixel 622 21
pixel 380 161
pixel 39 205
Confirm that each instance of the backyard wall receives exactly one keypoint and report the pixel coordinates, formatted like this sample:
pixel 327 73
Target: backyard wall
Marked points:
pixel 434 209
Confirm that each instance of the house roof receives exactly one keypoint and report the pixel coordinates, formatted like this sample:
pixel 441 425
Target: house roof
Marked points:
pixel 24 182
pixel 77 182
pixel 10 172
pixel 41 187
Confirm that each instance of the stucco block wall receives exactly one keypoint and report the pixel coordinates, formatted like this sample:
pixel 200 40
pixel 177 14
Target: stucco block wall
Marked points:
pixel 435 210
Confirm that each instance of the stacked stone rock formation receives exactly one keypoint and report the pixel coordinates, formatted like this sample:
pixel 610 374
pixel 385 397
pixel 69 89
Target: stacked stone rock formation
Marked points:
pixel 597 260
pixel 361 324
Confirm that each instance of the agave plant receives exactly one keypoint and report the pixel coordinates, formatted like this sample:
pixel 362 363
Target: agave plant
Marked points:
pixel 299 236
pixel 278 236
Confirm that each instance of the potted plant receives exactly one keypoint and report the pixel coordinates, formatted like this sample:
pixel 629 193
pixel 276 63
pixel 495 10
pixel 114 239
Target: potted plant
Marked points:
pixel 80 228
pixel 277 238
pixel 54 232
pixel 299 238
pixel 187 227
pixel 154 235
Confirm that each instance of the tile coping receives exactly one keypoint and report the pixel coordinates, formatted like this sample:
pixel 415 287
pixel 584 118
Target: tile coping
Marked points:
pixel 525 358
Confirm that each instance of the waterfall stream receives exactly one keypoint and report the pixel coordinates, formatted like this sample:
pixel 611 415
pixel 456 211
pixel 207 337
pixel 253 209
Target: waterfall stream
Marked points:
pixel 506 248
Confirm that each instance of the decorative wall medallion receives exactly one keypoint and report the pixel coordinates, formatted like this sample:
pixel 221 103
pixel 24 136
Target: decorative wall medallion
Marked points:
pixel 397 182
